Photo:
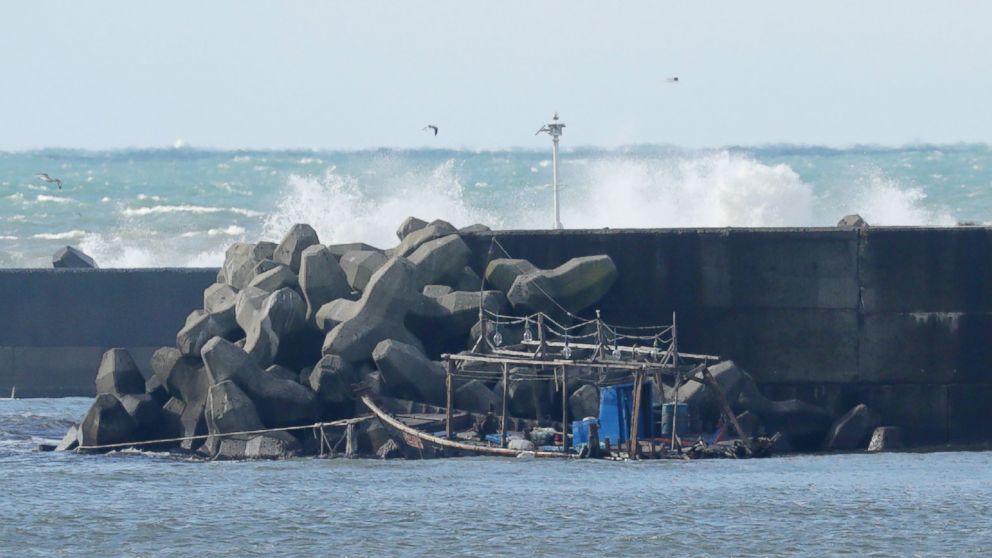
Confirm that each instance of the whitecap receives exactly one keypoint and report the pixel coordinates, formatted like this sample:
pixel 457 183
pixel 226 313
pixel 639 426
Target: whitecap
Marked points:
pixel 232 230
pixel 186 208
pixel 54 199
pixel 74 234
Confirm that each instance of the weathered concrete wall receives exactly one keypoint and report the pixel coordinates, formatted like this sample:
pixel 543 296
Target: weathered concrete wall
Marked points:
pixel 56 323
pixel 898 318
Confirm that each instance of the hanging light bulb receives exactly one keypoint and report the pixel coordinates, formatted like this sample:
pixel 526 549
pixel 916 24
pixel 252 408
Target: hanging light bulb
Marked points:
pixel 566 352
pixel 497 339
pixel 528 336
pixel 616 353
pixel 655 353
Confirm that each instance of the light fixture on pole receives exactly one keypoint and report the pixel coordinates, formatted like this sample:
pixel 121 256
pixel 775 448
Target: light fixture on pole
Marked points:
pixel 554 130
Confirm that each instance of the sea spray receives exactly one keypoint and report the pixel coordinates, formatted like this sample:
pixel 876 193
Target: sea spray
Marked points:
pixel 183 207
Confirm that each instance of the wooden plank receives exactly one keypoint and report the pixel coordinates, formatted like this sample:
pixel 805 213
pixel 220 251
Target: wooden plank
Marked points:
pixel 635 417
pixel 712 383
pixel 506 395
pixel 450 386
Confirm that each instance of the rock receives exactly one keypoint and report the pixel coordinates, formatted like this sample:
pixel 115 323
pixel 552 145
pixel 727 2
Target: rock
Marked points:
pixel 283 372
pixel 170 419
pixel 750 424
pixel 474 229
pixel 241 260
pixel 229 410
pixel 584 402
pixel 331 379
pixel 118 374
pixel 194 315
pixel 468 281
pixel 70 257
pixel 474 396
pixel 157 391
pixel 339 250
pixel 269 447
pixel 576 285
pixel 528 399
pixel 195 334
pixel 106 422
pixel 263 266
pixel 378 315
pixel 700 398
pixel 411 224
pixel 408 374
pixel 290 250
pixel 452 315
pixel 360 266
pixel 264 250
pixel 333 313
pixel 279 402
pixel 248 304
pixel 370 436
pixel 412 241
pixel 851 431
pixel 389 450
pixel 219 298
pixel 321 279
pixel 182 376
pixel 70 441
pixel 519 444
pixel 279 277
pixel 434 291
pixel 441 260
pixel 852 221
pixel 372 379
pixel 502 272
pixel 145 413
pixel 282 315
pixel 885 438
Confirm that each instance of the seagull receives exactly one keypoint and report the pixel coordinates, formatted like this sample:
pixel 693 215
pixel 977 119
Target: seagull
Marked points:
pixel 672 79
pixel 430 127
pixel 44 176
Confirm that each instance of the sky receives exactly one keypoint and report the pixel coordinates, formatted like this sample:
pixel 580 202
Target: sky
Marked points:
pixel 334 75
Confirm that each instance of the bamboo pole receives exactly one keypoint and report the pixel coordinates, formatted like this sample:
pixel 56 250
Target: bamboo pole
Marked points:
pixel 450 385
pixel 506 396
pixel 711 381
pixel 635 417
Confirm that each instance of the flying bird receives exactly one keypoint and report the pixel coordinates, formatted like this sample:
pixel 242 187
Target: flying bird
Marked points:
pixel 430 127
pixel 672 79
pixel 44 176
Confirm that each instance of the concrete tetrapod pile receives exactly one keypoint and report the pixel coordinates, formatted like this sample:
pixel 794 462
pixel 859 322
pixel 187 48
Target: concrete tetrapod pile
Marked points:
pixel 288 329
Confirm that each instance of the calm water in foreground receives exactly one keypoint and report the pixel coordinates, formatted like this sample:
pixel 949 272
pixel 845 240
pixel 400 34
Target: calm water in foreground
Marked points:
pixel 139 504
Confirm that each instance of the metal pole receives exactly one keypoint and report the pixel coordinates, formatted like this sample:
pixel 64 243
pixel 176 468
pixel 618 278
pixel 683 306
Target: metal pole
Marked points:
pixel 554 174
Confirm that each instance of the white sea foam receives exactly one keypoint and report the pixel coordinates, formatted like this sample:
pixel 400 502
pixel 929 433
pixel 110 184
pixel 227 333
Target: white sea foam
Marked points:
pixel 8 237
pixel 232 230
pixel 344 209
pixel 186 208
pixel 67 235
pixel 715 190
pixel 54 199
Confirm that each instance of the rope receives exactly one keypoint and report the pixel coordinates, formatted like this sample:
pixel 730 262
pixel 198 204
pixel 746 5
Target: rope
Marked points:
pixel 343 422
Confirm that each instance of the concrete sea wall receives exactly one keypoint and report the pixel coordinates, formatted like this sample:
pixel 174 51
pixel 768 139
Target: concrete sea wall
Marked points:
pixel 897 318
pixel 56 323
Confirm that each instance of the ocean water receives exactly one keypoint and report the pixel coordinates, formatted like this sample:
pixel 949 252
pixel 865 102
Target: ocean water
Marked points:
pixel 136 504
pixel 184 206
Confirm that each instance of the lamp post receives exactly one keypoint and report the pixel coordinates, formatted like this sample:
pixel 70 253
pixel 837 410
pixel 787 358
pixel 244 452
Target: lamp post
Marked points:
pixel 554 130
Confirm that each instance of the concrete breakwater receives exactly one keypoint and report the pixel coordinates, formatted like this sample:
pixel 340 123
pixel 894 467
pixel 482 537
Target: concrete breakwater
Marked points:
pixel 897 318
